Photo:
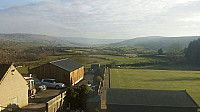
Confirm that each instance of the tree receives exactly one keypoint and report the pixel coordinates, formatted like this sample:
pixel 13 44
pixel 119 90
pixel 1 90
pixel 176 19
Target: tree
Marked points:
pixel 175 51
pixel 160 51
pixel 192 54
pixel 98 72
pixel 76 96
pixel 99 79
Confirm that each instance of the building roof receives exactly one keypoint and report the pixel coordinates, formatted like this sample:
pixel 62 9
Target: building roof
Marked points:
pixel 67 64
pixel 169 98
pixel 3 69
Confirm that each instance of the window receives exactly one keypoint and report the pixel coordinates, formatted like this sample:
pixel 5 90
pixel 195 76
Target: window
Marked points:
pixel 14 101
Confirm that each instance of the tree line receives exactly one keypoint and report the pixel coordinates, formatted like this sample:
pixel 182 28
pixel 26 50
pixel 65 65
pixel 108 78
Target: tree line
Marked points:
pixel 8 55
pixel 192 52
pixel 189 55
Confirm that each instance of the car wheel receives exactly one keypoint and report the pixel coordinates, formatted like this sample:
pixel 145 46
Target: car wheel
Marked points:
pixel 57 87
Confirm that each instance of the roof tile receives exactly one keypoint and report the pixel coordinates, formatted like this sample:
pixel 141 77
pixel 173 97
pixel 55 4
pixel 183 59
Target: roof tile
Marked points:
pixel 67 64
pixel 3 69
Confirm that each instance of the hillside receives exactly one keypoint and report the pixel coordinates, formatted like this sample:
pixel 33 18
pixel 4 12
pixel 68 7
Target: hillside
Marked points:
pixel 90 41
pixel 53 41
pixel 157 42
pixel 153 42
pixel 33 39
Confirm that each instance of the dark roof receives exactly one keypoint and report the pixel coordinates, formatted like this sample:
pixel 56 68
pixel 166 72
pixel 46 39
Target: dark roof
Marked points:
pixel 67 64
pixel 3 69
pixel 170 98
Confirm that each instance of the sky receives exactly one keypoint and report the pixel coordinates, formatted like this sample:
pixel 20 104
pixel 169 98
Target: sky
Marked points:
pixel 119 19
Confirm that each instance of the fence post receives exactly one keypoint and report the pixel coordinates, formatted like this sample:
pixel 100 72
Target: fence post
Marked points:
pixel 47 108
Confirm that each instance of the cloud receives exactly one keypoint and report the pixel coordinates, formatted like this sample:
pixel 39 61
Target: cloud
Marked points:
pixel 193 18
pixel 102 18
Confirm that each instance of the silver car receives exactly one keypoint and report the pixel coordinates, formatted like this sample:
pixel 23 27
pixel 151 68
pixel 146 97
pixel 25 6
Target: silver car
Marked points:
pixel 52 83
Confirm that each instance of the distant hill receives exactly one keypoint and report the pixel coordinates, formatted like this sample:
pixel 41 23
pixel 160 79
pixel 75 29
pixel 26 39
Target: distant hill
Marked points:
pixel 153 42
pixel 90 41
pixel 156 42
pixel 34 39
pixel 54 41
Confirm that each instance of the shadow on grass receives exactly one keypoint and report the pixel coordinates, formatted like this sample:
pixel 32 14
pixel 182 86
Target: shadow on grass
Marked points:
pixel 178 79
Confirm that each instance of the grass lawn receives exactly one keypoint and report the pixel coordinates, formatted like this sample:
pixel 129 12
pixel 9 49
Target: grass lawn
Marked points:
pixel 157 79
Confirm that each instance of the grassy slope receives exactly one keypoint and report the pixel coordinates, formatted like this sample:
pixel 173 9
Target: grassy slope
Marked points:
pixel 157 79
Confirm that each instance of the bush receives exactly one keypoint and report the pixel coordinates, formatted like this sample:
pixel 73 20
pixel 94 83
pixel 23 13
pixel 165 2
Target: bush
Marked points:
pixel 99 79
pixel 76 96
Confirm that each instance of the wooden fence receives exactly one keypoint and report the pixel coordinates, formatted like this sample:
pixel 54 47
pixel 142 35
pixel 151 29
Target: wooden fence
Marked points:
pixel 56 104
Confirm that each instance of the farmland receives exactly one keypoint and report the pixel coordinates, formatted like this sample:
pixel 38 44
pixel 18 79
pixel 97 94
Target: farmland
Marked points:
pixel 122 57
pixel 157 79
pixel 85 56
pixel 122 60
pixel 85 60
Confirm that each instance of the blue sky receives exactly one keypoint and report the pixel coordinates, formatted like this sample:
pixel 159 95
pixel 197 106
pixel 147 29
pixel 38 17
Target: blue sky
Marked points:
pixel 101 18
pixel 12 3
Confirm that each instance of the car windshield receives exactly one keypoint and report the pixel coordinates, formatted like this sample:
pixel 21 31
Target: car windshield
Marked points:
pixel 37 81
pixel 51 81
pixel 54 81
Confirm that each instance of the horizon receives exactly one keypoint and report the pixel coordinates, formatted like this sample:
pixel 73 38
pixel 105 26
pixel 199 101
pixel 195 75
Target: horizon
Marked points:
pixel 101 19
pixel 107 38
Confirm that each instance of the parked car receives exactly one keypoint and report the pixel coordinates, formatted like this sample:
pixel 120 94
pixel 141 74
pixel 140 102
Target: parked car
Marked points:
pixel 39 85
pixel 52 83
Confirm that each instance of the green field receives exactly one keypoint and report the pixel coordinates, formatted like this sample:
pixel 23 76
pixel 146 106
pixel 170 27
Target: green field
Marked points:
pixel 118 60
pixel 157 79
